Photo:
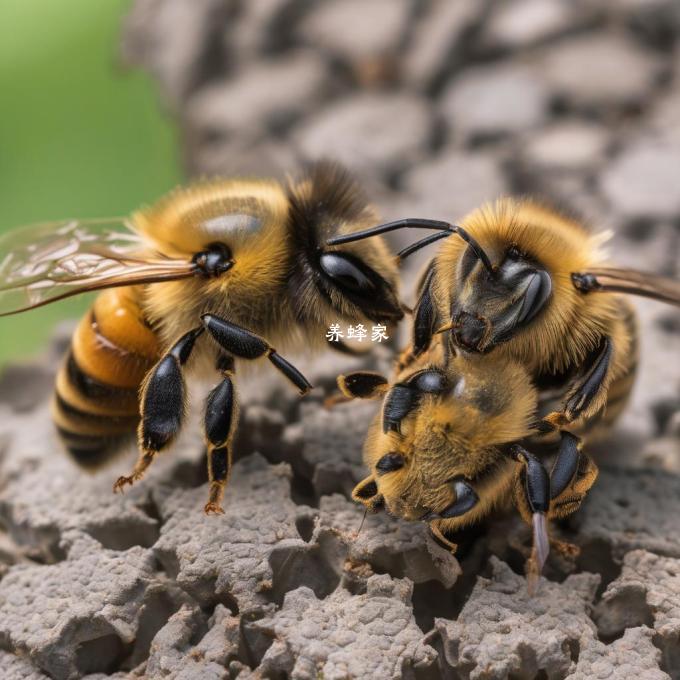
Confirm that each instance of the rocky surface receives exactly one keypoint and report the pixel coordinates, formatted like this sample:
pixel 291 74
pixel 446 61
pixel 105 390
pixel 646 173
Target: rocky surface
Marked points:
pixel 437 106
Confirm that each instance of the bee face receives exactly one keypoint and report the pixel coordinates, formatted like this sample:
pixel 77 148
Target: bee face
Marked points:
pixel 493 306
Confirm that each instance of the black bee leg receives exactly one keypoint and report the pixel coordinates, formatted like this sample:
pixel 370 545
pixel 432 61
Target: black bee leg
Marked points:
pixel 532 497
pixel 582 395
pixel 572 476
pixel 163 396
pixel 243 344
pixel 221 417
pixel 358 385
pixel 425 316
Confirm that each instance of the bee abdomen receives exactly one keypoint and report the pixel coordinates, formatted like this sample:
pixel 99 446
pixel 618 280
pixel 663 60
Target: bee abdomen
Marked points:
pixel 95 407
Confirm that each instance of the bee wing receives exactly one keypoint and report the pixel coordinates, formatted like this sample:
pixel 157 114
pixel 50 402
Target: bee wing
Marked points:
pixel 629 281
pixel 46 262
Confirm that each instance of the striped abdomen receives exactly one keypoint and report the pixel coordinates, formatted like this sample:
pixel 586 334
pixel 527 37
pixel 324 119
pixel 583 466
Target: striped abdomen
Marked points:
pixel 96 397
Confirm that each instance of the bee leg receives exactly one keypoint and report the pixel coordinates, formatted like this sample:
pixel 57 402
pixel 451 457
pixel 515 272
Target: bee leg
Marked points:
pixel 532 496
pixel 438 537
pixel 572 476
pixel 221 417
pixel 243 344
pixel 582 395
pixel 357 385
pixel 162 400
pixel 425 317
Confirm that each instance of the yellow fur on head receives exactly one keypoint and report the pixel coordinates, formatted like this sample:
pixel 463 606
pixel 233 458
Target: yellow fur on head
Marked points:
pixel 571 324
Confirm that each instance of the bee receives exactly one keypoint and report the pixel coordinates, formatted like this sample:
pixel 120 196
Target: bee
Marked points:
pixel 218 273
pixel 532 285
pixel 449 445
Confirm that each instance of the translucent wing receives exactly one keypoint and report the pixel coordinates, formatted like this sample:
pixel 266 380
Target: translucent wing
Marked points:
pixel 46 262
pixel 645 284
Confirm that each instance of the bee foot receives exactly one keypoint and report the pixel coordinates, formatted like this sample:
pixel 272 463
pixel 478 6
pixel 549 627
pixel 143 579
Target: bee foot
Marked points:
pixel 122 482
pixel 213 508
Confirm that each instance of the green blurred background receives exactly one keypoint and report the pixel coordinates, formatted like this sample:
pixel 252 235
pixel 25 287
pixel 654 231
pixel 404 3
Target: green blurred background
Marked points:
pixel 79 135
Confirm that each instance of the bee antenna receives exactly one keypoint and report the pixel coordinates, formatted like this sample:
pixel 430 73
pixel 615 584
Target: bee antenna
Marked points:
pixel 361 526
pixel 416 223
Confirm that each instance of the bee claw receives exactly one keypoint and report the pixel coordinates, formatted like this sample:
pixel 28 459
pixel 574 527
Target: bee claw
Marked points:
pixel 212 508
pixel 121 483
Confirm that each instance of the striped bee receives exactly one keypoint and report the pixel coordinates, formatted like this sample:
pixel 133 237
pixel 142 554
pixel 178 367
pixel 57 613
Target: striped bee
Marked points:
pixel 203 276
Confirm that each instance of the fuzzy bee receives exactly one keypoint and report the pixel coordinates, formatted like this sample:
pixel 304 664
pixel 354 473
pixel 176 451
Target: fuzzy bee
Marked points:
pixel 452 444
pixel 210 276
pixel 531 285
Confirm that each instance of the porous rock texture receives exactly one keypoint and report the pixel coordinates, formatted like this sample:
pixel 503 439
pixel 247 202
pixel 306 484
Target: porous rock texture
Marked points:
pixel 436 106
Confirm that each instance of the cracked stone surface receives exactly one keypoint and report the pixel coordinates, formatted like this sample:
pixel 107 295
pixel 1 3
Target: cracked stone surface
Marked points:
pixel 346 636
pixel 437 106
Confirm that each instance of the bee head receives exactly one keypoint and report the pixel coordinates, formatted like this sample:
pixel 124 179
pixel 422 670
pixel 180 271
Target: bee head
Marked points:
pixel 492 306
pixel 435 449
pixel 358 281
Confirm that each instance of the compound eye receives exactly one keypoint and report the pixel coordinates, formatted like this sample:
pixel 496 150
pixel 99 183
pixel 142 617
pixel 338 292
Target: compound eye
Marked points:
pixel 430 381
pixel 390 462
pixel 345 273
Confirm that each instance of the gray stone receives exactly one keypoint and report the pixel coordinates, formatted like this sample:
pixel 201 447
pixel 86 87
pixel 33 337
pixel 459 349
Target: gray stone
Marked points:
pixel 503 632
pixel 600 70
pixel 632 656
pixel 270 93
pixel 646 593
pixel 227 558
pixel 436 36
pixel 346 636
pixel 18 668
pixel 630 509
pixel 491 100
pixel 174 652
pixel 384 543
pixel 171 39
pixel 453 184
pixel 522 22
pixel 370 133
pixel 86 613
pixel 642 180
pixel 567 146
pixel 356 30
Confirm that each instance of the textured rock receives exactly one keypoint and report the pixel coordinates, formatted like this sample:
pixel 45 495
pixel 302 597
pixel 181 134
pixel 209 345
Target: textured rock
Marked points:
pixel 267 95
pixel 632 509
pixel 370 635
pixel 355 30
pixel 490 638
pixel 493 100
pixel 521 22
pixel 85 614
pixel 600 70
pixel 370 132
pixel 384 543
pixel 632 656
pixel 437 39
pixel 646 593
pixel 642 180
pixel 567 146
pixel 176 652
pixel 453 184
pixel 228 558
